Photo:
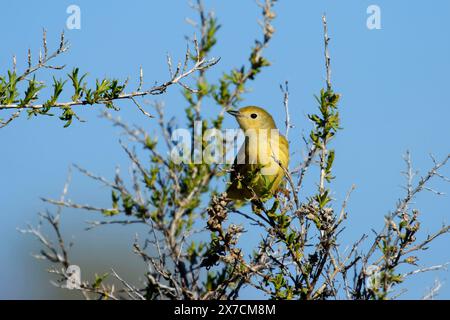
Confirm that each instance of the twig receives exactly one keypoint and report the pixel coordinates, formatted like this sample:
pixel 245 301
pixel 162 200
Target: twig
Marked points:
pixel 285 91
pixel 326 52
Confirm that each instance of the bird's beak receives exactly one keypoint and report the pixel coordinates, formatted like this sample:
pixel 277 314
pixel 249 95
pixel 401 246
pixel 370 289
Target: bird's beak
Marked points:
pixel 234 113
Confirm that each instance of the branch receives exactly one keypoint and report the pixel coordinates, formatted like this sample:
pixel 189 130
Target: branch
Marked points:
pixel 106 92
pixel 155 90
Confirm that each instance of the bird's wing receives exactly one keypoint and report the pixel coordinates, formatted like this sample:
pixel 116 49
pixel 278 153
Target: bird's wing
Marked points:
pixel 284 149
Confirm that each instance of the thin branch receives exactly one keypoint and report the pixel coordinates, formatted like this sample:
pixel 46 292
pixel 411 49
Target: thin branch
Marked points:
pixel 156 90
pixel 326 51
pixel 285 91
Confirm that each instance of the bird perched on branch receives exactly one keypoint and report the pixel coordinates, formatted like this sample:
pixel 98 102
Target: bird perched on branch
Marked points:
pixel 258 168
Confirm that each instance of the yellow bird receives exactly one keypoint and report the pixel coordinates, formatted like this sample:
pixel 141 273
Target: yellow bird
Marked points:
pixel 256 172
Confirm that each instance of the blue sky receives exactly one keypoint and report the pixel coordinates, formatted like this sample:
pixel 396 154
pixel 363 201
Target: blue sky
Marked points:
pixel 393 81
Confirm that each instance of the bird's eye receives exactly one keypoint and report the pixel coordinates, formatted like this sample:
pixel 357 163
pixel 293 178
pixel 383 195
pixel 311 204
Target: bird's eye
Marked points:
pixel 254 115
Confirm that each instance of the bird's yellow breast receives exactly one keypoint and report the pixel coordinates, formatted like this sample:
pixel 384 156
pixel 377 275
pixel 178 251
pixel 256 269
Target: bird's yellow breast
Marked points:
pixel 266 148
pixel 258 168
pixel 258 165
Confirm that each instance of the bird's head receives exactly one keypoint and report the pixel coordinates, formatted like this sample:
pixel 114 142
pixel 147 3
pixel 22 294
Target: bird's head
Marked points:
pixel 252 117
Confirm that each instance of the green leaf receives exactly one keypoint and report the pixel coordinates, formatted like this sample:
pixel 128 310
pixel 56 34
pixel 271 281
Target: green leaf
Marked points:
pixel 98 280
